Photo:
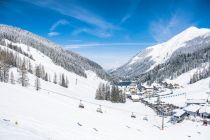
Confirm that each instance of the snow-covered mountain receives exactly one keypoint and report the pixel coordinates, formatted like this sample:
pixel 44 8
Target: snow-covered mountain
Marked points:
pixel 52 112
pixel 68 60
pixel 47 61
pixel 187 42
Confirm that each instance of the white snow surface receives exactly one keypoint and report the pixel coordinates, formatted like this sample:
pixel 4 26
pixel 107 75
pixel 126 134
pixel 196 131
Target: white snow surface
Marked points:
pixel 53 113
pixel 161 52
pixel 42 115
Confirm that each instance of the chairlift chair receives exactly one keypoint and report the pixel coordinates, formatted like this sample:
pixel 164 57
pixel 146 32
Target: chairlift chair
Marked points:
pixel 132 115
pixel 145 118
pixel 81 105
pixel 99 109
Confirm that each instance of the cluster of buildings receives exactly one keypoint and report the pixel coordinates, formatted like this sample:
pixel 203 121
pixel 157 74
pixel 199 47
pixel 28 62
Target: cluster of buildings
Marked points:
pixel 134 89
pixel 195 109
pixel 128 87
pixel 170 85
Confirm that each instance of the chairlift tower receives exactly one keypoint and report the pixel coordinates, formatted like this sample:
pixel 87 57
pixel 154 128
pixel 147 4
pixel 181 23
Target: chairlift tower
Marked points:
pixel 162 126
pixel 207 100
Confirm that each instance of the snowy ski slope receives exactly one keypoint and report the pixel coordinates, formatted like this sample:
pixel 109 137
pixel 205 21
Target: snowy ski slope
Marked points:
pixel 53 114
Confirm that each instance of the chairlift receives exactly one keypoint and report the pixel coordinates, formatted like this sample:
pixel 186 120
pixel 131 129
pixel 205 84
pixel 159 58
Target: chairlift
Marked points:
pixel 99 109
pixel 145 118
pixel 132 115
pixel 81 105
pixel 205 122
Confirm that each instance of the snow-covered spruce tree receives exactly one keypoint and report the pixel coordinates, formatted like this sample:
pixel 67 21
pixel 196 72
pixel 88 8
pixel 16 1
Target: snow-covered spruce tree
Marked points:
pixel 23 80
pixel 100 92
pixel 46 77
pixel 115 96
pixel 2 42
pixel 55 79
pixel 103 91
pixel 30 67
pixel 12 78
pixel 98 95
pixel 37 83
pixel 49 77
pixel 1 72
pixel 63 82
pixel 122 98
pixel 42 72
pixel 67 81
pixel 18 49
pixel 200 74
pixel 4 72
pixel 38 71
pixel 107 92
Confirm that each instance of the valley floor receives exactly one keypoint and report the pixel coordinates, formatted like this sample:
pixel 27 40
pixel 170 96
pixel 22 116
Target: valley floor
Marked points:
pixel 43 115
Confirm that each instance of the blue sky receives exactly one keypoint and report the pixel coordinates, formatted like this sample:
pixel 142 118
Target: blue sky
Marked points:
pixel 106 31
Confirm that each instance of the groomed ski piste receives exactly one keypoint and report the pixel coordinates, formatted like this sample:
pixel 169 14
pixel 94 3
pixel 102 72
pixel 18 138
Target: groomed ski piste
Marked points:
pixel 52 113
pixel 28 114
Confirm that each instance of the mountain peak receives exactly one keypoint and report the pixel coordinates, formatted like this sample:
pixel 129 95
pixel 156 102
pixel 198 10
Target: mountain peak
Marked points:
pixel 192 28
pixel 196 30
pixel 152 56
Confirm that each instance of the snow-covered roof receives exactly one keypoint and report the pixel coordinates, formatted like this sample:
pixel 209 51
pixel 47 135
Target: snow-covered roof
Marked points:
pixel 156 85
pixel 196 101
pixel 192 108
pixel 205 109
pixel 135 97
pixel 133 84
pixel 179 112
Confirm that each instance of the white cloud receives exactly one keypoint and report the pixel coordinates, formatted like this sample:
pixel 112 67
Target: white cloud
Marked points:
pixel 51 34
pixel 76 11
pixel 131 9
pixel 55 25
pixel 164 29
pixel 94 32
pixel 58 23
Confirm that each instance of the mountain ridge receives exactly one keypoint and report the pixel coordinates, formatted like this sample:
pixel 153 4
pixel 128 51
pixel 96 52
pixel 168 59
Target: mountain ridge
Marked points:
pixel 149 58
pixel 65 58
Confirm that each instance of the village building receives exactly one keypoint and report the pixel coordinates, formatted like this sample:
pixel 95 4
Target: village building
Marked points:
pixel 146 91
pixel 177 86
pixel 170 85
pixel 128 87
pixel 164 84
pixel 205 111
pixel 192 109
pixel 135 98
pixel 196 101
pixel 178 115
